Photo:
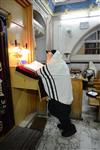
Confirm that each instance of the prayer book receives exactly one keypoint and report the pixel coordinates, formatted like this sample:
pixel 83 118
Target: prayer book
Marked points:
pixel 34 66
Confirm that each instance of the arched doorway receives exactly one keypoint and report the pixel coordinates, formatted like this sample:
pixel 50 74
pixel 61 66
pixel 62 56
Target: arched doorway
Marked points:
pixel 40 36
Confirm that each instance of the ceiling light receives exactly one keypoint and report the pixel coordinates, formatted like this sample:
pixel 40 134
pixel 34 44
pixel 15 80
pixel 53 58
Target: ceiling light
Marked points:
pixel 69 1
pixel 56 1
pixel 98 2
pixel 75 15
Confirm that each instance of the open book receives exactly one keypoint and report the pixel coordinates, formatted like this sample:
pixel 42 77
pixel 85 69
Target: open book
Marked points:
pixel 92 93
pixel 34 66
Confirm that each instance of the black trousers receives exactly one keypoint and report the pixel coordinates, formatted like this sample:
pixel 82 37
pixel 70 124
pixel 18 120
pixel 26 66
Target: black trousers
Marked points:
pixel 60 111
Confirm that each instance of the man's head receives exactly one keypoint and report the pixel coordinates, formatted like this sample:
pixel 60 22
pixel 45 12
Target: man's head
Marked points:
pixel 49 55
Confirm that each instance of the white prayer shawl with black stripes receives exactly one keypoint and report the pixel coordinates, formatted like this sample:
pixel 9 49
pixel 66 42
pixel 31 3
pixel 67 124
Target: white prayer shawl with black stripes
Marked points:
pixel 56 79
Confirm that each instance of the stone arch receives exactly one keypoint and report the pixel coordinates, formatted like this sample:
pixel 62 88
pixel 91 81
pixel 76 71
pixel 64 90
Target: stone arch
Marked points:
pixel 78 45
pixel 38 17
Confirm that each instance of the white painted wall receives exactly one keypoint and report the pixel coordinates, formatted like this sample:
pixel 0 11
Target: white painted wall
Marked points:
pixel 67 35
pixel 82 66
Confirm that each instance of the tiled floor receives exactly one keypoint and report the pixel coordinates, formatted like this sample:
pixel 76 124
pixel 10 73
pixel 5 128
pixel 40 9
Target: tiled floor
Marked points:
pixel 86 138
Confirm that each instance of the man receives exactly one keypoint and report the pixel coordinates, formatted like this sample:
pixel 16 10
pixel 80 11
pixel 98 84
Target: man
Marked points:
pixel 56 79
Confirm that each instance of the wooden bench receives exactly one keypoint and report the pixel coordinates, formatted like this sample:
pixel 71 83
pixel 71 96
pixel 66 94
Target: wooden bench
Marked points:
pixel 96 101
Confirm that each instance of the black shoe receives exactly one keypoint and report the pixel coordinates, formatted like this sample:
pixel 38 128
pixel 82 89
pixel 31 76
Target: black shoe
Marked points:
pixel 60 126
pixel 70 132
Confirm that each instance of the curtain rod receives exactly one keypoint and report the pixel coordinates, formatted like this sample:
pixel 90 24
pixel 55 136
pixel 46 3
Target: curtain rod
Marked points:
pixel 4 11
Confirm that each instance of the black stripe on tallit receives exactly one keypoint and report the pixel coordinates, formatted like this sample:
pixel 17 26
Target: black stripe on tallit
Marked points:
pixel 46 81
pixel 53 82
pixel 49 82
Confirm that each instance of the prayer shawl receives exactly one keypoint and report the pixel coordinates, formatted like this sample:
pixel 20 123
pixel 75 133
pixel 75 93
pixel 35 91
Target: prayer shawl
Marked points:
pixel 56 79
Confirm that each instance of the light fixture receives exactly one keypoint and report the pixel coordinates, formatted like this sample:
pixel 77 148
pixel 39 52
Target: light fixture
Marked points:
pixel 24 52
pixel 76 15
pixel 17 52
pixel 20 53
pixel 98 2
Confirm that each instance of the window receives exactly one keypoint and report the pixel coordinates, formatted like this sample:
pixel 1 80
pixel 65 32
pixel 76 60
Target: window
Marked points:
pixel 92 43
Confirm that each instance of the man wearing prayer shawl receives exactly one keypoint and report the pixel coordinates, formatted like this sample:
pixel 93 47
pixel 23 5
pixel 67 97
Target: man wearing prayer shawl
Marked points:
pixel 56 79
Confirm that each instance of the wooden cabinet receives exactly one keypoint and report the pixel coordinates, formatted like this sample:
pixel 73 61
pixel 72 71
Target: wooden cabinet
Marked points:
pixel 23 82
pixel 76 109
pixel 26 98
